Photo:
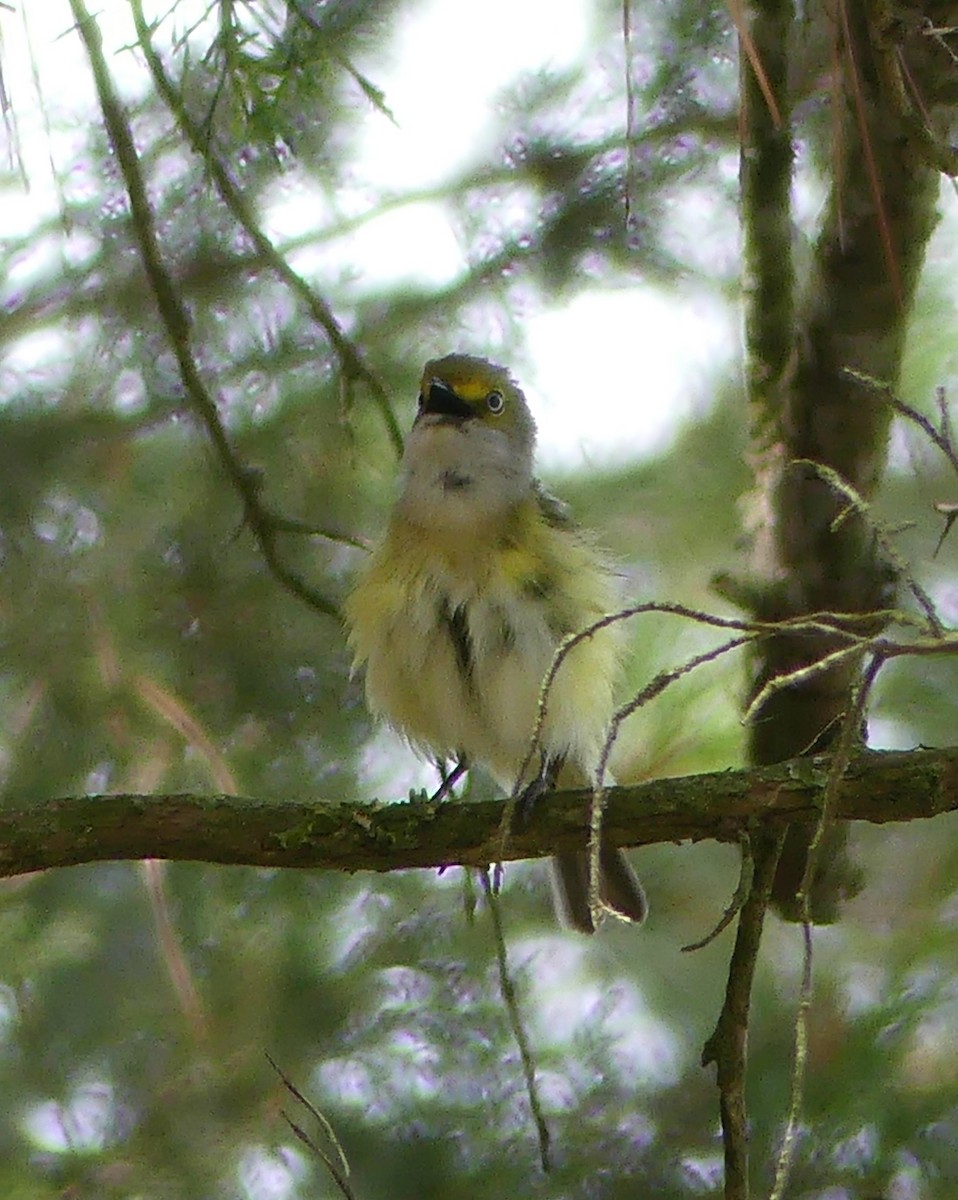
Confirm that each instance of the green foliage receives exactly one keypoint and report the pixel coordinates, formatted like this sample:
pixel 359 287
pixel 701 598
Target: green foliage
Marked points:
pixel 145 645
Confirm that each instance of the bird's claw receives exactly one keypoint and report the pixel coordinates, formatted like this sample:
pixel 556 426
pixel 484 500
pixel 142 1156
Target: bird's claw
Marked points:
pixel 533 792
pixel 448 779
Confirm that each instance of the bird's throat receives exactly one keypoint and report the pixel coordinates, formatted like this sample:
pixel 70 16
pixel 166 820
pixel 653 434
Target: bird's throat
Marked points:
pixel 459 479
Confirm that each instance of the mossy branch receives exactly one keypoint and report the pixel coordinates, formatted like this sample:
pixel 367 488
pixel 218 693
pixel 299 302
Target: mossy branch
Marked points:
pixel 376 836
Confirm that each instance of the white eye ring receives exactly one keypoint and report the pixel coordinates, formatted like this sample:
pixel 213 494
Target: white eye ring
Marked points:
pixel 495 403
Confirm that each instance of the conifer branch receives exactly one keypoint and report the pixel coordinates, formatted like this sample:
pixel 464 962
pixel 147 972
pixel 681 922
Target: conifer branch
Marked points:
pixel 176 320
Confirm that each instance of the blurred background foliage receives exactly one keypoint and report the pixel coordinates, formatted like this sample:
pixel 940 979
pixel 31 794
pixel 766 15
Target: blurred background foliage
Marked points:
pixel 144 644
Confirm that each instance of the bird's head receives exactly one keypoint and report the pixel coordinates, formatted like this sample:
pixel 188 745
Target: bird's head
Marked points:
pixel 473 438
pixel 462 387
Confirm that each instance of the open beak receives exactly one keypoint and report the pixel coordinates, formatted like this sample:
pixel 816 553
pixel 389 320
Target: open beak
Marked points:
pixel 439 398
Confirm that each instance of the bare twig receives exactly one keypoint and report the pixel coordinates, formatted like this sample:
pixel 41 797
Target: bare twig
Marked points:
pixel 949 510
pixel 511 1001
pixel 728 1045
pixel 837 625
pixel 828 623
pixel 944 413
pixel 883 647
pixel 942 438
pixel 153 874
pixel 854 84
pixel 308 529
pixel 737 12
pixel 861 506
pixel 335 1163
pixel 655 687
pixel 849 738
pixel 779 683
pixel 742 890
pixel 630 161
pixel 786 1152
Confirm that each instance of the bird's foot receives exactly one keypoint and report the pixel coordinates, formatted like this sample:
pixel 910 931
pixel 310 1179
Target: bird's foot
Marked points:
pixel 448 779
pixel 533 792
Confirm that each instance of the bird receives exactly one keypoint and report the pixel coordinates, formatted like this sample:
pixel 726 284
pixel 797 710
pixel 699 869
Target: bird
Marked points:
pixel 457 616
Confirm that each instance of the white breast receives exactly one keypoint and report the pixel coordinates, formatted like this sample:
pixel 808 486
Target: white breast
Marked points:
pixel 460 474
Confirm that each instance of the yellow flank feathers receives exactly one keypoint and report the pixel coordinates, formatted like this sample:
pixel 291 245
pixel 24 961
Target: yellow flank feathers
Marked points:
pixel 478 580
pixel 457 636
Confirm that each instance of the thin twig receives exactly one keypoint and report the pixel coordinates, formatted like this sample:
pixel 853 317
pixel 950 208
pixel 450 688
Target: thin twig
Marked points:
pixel 350 361
pixel 727 1046
pixel 841 485
pixel 786 1152
pixel 856 87
pixel 949 510
pixel 931 647
pixel 308 529
pixel 175 318
pixel 742 890
pixel 653 688
pixel 828 623
pixel 511 1001
pixel 737 12
pixel 947 432
pixel 153 873
pixel 336 1164
pixel 630 159
pixel 941 438
pixel 658 684
pixel 849 738
pixel 839 625
pixel 779 683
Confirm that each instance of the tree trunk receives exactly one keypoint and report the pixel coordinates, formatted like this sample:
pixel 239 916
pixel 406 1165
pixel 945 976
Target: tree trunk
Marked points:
pixel 806 404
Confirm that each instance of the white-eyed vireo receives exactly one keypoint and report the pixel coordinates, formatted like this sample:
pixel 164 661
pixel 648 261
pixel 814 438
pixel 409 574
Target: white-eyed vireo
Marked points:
pixel 457 617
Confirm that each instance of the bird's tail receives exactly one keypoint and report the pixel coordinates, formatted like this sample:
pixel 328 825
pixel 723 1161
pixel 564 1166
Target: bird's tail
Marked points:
pixel 619 887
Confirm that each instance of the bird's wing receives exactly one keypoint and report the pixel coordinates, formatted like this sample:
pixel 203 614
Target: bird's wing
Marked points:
pixel 556 512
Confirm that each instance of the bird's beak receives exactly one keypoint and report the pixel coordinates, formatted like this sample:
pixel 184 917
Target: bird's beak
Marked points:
pixel 440 398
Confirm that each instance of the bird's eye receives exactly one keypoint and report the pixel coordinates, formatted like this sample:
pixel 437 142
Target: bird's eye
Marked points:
pixel 495 403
